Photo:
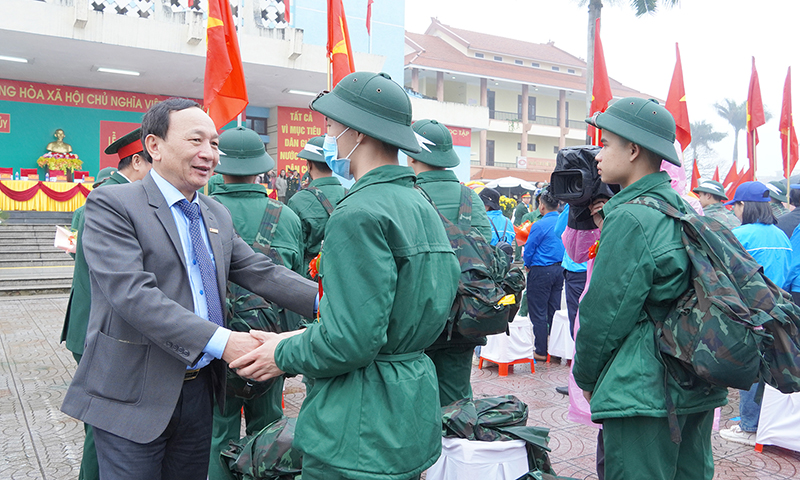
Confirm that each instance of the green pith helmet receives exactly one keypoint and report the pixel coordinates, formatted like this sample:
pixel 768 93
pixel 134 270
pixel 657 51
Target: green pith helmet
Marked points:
pixel 373 104
pixel 777 191
pixel 436 143
pixel 643 122
pixel 241 153
pixel 313 150
pixel 713 187
pixel 103 175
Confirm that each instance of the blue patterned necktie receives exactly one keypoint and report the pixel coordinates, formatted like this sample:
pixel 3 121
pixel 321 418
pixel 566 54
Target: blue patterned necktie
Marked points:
pixel 207 271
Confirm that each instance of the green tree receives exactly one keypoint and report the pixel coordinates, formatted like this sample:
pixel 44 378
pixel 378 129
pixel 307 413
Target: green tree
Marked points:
pixel 595 6
pixel 736 115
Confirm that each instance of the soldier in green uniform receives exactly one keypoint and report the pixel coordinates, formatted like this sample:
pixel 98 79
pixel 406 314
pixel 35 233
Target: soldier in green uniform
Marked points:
pixel 389 278
pixel 778 197
pixel 712 196
pixel 315 204
pixel 244 158
pixel 134 163
pixel 453 358
pixel 523 208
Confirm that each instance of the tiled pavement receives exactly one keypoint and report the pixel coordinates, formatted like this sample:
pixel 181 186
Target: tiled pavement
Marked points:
pixel 39 442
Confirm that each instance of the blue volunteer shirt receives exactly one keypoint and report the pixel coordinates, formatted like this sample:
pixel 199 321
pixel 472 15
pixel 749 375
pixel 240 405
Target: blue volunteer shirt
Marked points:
pixel 769 246
pixel 501 227
pixel 544 247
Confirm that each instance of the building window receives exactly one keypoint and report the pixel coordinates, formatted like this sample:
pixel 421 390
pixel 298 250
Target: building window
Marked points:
pixel 531 107
pixel 534 64
pixel 498 58
pixel 571 70
pixel 555 69
pixel 518 62
pixel 555 149
pixel 531 147
pixel 478 55
pixel 489 153
pixel 257 124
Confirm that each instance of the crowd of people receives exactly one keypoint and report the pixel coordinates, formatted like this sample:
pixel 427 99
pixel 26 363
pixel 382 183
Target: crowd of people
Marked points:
pixel 187 309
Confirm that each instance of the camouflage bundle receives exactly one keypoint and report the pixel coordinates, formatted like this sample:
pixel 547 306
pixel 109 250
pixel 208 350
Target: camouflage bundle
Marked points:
pixel 495 419
pixel 733 327
pixel 267 455
pixel 489 289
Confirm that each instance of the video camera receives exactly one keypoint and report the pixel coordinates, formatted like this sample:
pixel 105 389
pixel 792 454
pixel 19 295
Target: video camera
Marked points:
pixel 575 179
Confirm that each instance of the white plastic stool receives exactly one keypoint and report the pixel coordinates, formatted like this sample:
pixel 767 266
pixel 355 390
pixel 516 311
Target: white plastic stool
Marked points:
pixel 462 459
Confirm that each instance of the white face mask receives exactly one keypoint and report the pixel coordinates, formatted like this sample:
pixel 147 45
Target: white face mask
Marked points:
pixel 330 150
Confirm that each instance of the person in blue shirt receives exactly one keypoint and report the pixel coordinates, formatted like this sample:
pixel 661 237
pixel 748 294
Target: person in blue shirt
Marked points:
pixel 502 228
pixel 770 247
pixel 544 252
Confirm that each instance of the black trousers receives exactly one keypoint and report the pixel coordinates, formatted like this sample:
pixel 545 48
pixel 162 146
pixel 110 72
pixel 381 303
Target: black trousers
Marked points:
pixel 574 282
pixel 180 452
pixel 544 298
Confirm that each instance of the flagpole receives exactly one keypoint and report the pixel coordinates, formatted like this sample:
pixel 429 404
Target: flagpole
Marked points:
pixel 755 162
pixel 788 161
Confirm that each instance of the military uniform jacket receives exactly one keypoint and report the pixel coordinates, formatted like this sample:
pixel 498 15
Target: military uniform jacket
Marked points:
pixel 520 212
pixel 389 278
pixel 247 203
pixel 718 212
pixel 641 266
pixel 80 300
pixel 313 216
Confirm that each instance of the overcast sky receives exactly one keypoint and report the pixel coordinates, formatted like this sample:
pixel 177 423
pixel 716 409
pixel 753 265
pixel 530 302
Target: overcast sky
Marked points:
pixel 717 39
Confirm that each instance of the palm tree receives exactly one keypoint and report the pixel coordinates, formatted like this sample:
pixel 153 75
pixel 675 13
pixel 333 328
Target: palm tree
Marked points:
pixel 736 114
pixel 595 6
pixel 703 135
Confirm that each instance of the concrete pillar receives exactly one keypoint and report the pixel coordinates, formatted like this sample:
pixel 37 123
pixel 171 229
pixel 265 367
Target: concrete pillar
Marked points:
pixel 415 79
pixel 524 140
pixel 563 122
pixel 440 86
pixel 484 102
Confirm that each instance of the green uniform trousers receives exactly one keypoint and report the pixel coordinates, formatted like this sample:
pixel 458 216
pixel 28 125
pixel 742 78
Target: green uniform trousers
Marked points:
pixel 313 469
pixel 453 370
pixel 89 469
pixel 641 448
pixel 258 413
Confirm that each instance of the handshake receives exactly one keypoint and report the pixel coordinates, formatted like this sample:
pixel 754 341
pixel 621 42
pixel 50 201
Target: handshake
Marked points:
pixel 252 354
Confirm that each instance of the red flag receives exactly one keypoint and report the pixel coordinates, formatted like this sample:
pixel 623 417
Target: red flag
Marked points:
pixel 735 178
pixel 716 174
pixel 695 176
pixel 224 89
pixel 340 54
pixel 287 14
pixel 601 87
pixel 755 115
pixel 676 104
pixel 369 16
pixel 788 135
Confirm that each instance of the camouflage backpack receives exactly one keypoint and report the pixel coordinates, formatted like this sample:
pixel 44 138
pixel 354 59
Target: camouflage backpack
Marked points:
pixel 247 311
pixel 266 455
pixel 733 327
pixel 489 288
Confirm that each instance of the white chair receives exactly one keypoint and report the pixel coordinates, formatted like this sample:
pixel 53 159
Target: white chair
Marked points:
pixel 561 343
pixel 779 420
pixel 462 459
pixel 515 348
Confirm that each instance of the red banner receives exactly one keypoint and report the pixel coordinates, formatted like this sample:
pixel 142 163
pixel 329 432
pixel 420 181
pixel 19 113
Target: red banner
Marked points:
pixel 109 133
pixel 295 127
pixel 29 92
pixel 5 123
pixel 462 137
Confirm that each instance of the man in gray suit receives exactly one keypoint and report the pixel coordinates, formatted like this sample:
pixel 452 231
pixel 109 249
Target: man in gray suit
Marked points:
pixel 159 257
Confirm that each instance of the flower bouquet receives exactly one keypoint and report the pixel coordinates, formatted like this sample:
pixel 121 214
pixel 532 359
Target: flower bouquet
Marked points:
pixel 67 162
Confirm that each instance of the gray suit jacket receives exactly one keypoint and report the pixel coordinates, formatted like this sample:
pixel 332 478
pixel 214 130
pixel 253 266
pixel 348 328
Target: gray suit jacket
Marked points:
pixel 143 332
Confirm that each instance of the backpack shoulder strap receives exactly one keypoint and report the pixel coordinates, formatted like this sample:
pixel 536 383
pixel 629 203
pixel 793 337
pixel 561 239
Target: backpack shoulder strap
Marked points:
pixel 266 231
pixel 465 209
pixel 326 204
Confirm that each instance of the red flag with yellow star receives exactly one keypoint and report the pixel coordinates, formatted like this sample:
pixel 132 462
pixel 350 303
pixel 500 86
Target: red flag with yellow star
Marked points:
pixel 340 54
pixel 224 89
pixel 676 104
pixel 788 136
pixel 755 116
pixel 601 87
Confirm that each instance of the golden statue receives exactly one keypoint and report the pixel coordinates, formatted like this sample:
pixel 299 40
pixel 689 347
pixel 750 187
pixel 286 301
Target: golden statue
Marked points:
pixel 59 146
